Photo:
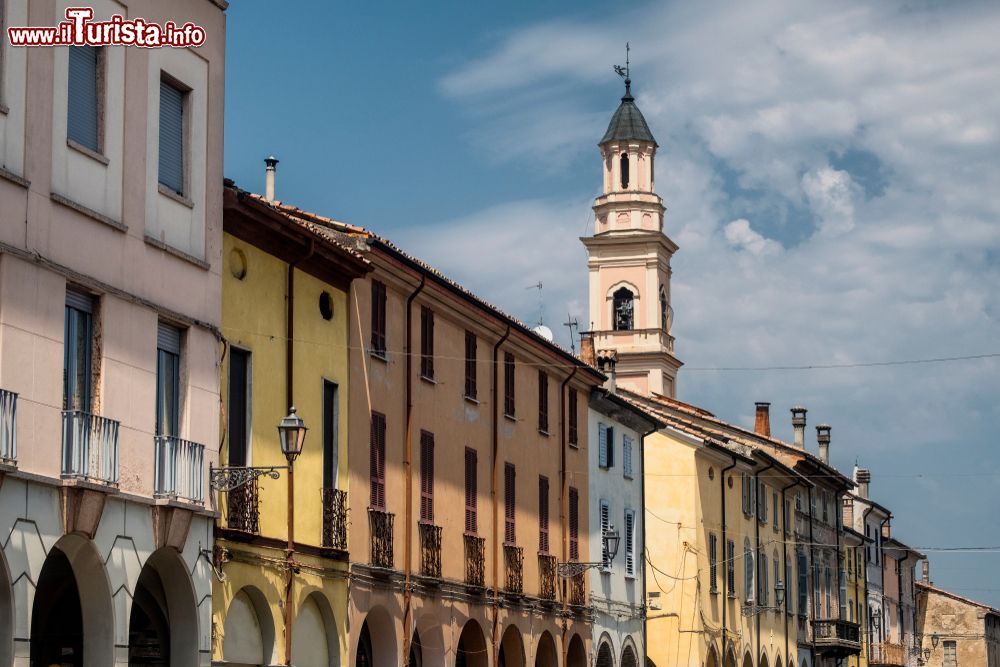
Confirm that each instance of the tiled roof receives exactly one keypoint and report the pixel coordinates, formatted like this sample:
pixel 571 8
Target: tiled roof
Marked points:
pixel 935 589
pixel 628 123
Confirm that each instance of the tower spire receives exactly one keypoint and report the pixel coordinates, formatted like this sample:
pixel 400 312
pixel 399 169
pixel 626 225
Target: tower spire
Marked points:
pixel 625 72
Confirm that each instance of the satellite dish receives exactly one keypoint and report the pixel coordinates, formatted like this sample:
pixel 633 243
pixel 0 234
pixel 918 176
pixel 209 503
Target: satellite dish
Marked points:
pixel 544 332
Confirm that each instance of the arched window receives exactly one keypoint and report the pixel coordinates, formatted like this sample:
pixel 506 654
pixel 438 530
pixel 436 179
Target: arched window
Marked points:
pixel 623 302
pixel 748 570
pixel 664 310
pixel 624 170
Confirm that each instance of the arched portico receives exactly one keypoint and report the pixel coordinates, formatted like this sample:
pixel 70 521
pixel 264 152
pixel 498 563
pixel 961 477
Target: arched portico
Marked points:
pixel 377 643
pixel 471 650
pixel 511 648
pixel 6 614
pixel 163 621
pixel 248 632
pixel 545 654
pixel 712 660
pixel 605 656
pixel 576 654
pixel 763 660
pixel 430 635
pixel 747 660
pixel 629 658
pixel 315 642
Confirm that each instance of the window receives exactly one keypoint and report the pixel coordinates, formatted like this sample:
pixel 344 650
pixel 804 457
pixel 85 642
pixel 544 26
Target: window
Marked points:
pixel 426 343
pixel 749 494
pixel 78 350
pixel 828 590
pixel 573 437
pixel 629 543
pixel 762 581
pixel 574 524
pixel 376 469
pixel 664 310
pixel 543 514
pixel 623 162
pixel 761 502
pixel 605 527
pixel 543 402
pixel 817 598
pixel 803 586
pixel 331 434
pixel 471 498
pixel 748 571
pixel 378 319
pixel 777 569
pixel 868 548
pixel 508 384
pixel 950 653
pixel 470 365
pixel 776 508
pixel 509 504
pixel 842 599
pixel 172 136
pixel 627 456
pixel 168 380
pixel 825 498
pixel 85 98
pixel 239 406
pixel 426 477
pixel 731 567
pixel 788 517
pixel 713 574
pixel 605 446
pixel 623 303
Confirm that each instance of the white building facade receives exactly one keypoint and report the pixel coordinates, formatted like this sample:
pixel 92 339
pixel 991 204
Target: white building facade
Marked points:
pixel 616 481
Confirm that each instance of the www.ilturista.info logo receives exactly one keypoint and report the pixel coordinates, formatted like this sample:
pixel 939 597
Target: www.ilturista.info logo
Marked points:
pixel 79 30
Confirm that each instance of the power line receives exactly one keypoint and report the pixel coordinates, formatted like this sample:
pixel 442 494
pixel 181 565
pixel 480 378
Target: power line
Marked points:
pixel 866 364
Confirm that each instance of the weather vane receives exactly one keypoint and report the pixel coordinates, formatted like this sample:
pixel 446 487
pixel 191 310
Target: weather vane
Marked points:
pixel 623 71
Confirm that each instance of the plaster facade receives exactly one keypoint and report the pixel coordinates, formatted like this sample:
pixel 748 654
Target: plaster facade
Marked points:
pixel 967 632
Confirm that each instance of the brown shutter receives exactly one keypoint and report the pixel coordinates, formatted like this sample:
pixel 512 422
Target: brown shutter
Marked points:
pixel 543 401
pixel 470 364
pixel 426 477
pixel 378 318
pixel 573 440
pixel 470 491
pixel 508 384
pixel 427 342
pixel 377 461
pixel 509 534
pixel 574 524
pixel 543 514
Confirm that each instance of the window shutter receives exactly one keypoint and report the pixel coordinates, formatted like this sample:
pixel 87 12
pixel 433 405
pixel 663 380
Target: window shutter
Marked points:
pixel 573 439
pixel 788 517
pixel 508 383
pixel 731 566
pixel 84 106
pixel 762 595
pixel 574 524
pixel 630 543
pixel 543 514
pixel 611 447
pixel 712 560
pixel 471 500
pixel 377 461
pixel 426 477
pixel 543 401
pixel 748 571
pixel 627 455
pixel 762 502
pixel 168 339
pixel 172 137
pixel 605 526
pixel 776 508
pixel 602 445
pixel 510 509
pixel 752 494
pixel 470 364
pixel 426 342
pixel 378 318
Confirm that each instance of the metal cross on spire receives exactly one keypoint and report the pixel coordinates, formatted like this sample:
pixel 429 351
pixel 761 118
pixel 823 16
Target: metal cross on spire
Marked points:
pixel 624 71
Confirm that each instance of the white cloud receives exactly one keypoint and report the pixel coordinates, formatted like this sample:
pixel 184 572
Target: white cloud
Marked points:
pixel 830 195
pixel 741 236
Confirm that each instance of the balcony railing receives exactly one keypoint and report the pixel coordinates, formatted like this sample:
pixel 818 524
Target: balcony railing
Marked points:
pixel 837 638
pixel 335 519
pixel 475 560
pixel 380 529
pixel 430 550
pixel 8 427
pixel 243 508
pixel 887 655
pixel 90 447
pixel 179 469
pixel 513 561
pixel 546 577
pixel 578 590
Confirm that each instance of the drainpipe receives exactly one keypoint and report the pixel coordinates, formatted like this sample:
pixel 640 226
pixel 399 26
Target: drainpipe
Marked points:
pixel 642 495
pixel 290 401
pixel 564 498
pixel 756 479
pixel 495 435
pixel 785 571
pixel 812 574
pixel 881 569
pixel 868 629
pixel 408 474
pixel 725 551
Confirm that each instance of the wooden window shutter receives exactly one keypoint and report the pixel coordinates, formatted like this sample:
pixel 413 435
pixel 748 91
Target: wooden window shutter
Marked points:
pixel 470 491
pixel 574 524
pixel 712 562
pixel 627 455
pixel 602 445
pixel 377 461
pixel 605 527
pixel 426 342
pixel 510 509
pixel 543 514
pixel 630 542
pixel 731 566
pixel 470 364
pixel 543 401
pixel 426 477
pixel 378 318
pixel 611 447
pixel 573 437
pixel 508 384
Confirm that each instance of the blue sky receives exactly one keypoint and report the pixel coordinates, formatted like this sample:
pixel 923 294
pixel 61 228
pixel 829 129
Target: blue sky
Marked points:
pixel 830 173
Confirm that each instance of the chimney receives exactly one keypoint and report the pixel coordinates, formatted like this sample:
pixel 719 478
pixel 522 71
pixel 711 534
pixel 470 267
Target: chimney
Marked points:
pixel 926 571
pixel 799 426
pixel 271 164
pixel 762 423
pixel 823 438
pixel 587 353
pixel 863 477
pixel 607 360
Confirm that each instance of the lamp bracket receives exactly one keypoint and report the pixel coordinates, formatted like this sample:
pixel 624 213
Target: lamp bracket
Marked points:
pixel 572 569
pixel 754 609
pixel 228 478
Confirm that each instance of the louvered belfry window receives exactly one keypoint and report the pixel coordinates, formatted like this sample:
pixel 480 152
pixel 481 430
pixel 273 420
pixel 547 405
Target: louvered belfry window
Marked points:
pixel 378 319
pixel 377 461
pixel 426 343
pixel 83 119
pixel 470 491
pixel 543 514
pixel 543 402
pixel 574 524
pixel 426 477
pixel 509 502
pixel 172 136
pixel 508 384
pixel 470 364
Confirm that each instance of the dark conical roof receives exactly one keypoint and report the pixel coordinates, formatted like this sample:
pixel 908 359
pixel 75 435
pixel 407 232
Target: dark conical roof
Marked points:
pixel 628 123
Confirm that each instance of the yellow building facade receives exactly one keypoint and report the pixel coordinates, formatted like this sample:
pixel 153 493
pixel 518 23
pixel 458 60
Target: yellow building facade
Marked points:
pixel 854 591
pixel 285 326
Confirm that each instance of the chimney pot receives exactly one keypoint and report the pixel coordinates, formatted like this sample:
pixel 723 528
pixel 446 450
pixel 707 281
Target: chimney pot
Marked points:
pixel 762 423
pixel 863 478
pixel 823 438
pixel 926 571
pixel 799 426
pixel 587 352
pixel 270 167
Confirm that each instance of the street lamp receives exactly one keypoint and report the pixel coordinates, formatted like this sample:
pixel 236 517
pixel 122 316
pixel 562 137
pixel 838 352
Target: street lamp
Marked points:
pixel 291 435
pixel 935 639
pixel 779 594
pixel 779 599
pixel 877 619
pixel 610 541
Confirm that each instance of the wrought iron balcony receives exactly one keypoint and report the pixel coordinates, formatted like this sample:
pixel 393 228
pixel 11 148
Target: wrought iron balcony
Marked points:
pixel 547 576
pixel 380 530
pixel 475 560
pixel 578 589
pixel 335 519
pixel 513 561
pixel 887 655
pixel 8 427
pixel 90 447
pixel 243 507
pixel 430 550
pixel 179 469
pixel 836 638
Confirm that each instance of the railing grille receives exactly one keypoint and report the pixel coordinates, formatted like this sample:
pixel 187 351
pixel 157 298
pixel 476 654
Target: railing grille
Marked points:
pixel 578 590
pixel 178 468
pixel 380 525
pixel 243 504
pixel 475 560
pixel 90 447
pixel 547 577
pixel 8 427
pixel 513 558
pixel 335 519
pixel 430 550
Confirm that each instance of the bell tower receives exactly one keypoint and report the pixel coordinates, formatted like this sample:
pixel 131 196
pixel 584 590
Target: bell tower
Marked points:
pixel 629 258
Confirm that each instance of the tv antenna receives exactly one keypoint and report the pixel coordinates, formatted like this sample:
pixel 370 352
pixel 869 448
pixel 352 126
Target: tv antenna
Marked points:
pixel 572 323
pixel 538 286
